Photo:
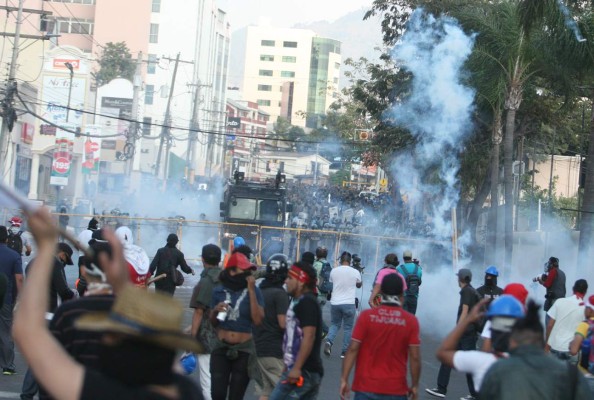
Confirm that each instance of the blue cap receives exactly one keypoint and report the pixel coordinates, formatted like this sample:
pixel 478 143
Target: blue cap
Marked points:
pixel 506 306
pixel 492 270
pixel 238 241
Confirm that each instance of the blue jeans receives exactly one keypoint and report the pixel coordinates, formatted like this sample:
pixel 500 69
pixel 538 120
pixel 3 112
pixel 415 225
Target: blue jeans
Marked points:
pixel 30 387
pixel 374 396
pixel 339 314
pixel 287 391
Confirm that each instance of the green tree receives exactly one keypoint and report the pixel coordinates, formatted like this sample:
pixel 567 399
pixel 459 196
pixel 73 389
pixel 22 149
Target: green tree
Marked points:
pixel 115 61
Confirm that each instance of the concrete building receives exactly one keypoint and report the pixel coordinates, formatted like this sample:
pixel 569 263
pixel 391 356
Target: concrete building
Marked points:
pixel 245 118
pixel 291 73
pixel 303 167
pixel 566 174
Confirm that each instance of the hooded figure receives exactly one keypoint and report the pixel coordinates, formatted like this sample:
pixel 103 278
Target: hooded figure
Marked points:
pixel 490 290
pixel 136 258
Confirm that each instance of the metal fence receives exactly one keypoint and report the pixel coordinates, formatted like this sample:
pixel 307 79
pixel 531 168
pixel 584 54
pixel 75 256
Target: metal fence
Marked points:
pixel 151 234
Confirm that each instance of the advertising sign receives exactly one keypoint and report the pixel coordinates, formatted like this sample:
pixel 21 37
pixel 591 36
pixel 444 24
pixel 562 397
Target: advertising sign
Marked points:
pixel 233 122
pixel 62 158
pixel 92 150
pixel 116 107
pixel 55 99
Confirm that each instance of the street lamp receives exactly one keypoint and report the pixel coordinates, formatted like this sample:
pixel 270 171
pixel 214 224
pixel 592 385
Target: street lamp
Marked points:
pixel 71 69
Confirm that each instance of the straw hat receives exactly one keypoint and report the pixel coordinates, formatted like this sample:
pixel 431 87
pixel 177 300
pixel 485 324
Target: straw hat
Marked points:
pixel 149 316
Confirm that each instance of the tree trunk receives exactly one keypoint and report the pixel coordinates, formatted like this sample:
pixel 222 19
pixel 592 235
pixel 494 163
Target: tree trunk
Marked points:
pixel 491 256
pixel 508 180
pixel 587 217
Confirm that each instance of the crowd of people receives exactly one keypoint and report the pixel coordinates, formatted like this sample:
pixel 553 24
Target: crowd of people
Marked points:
pixel 114 337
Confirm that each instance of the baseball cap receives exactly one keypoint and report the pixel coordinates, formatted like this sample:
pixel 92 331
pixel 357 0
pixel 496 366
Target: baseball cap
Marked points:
pixel 464 273
pixel 517 290
pixel 407 254
pixel 392 285
pixel 590 302
pixel 240 261
pixel 67 250
pixel 211 251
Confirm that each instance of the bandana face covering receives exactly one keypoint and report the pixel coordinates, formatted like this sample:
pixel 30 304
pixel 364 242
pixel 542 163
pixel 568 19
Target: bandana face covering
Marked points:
pixel 297 273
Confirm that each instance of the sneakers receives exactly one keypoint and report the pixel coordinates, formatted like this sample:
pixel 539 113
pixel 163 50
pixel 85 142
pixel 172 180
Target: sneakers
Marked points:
pixel 8 371
pixel 328 349
pixel 436 392
pixel 468 397
pixel 342 354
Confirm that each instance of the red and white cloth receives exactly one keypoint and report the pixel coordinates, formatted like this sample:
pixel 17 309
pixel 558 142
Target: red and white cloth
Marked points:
pixel 136 258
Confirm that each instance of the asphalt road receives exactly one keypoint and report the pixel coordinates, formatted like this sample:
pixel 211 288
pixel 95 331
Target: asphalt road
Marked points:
pixel 10 386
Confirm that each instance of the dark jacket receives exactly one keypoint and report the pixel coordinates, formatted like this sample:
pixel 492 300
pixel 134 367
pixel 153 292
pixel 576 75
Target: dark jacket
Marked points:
pixel 58 285
pixel 10 265
pixel 165 258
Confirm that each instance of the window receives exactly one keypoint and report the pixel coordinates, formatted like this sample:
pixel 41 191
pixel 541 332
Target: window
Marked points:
pixel 149 94
pixel 289 59
pixel 287 74
pixel 77 26
pixel 336 65
pixel 154 33
pixel 290 44
pixel 265 88
pixel 156 6
pixel 146 126
pixel 264 102
pixel 265 72
pixel 151 65
pixel 256 210
pixel 266 57
pixel 269 43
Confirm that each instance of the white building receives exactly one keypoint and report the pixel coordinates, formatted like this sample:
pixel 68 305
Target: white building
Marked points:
pixel 199 32
pixel 292 73
pixel 304 167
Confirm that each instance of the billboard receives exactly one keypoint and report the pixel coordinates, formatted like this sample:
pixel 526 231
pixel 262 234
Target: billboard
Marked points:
pixel 55 99
pixel 62 158
pixel 116 107
pixel 92 150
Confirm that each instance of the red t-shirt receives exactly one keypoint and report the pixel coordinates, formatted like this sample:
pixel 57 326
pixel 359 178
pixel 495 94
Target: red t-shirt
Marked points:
pixel 385 334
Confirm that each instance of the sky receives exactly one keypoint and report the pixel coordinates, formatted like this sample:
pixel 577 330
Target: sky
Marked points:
pixel 285 14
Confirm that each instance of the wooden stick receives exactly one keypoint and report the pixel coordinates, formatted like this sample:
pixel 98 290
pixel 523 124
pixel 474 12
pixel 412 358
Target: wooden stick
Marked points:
pixel 155 279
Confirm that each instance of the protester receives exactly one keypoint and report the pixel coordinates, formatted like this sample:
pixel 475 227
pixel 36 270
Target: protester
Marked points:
pixel 584 334
pixel 564 317
pixel 166 261
pixel 391 263
pixel 83 240
pixel 468 298
pixel 413 275
pixel 237 305
pixel 554 281
pixel 22 238
pixel 136 258
pixel 528 373
pixel 303 372
pixel 345 281
pixel 380 368
pixel 137 365
pixel 11 267
pixel 202 328
pixel 503 313
pixel 490 290
pixel 269 336
pixel 323 269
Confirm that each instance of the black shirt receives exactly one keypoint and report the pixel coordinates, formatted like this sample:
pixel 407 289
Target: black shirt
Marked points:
pixel 269 335
pixel 468 297
pixel 58 285
pixel 100 387
pixel 166 258
pixel 305 312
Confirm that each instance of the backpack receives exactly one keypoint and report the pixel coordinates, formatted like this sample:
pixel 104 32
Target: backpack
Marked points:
pixel 325 286
pixel 15 242
pixel 412 280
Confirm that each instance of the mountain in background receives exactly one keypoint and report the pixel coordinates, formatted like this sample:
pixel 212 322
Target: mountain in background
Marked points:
pixel 359 38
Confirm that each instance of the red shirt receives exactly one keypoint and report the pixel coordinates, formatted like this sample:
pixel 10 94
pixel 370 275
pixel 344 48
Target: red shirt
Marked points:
pixel 550 278
pixel 136 278
pixel 385 334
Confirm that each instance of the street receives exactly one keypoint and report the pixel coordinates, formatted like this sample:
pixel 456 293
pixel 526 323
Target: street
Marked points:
pixel 11 385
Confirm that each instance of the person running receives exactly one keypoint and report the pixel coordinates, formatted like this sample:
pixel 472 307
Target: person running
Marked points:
pixel 345 282
pixel 468 298
pixel 303 338
pixel 237 306
pixel 166 261
pixel 528 373
pixel 381 369
pixel 269 336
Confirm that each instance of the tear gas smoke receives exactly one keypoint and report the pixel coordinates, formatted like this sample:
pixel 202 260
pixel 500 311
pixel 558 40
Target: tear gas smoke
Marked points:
pixel 570 22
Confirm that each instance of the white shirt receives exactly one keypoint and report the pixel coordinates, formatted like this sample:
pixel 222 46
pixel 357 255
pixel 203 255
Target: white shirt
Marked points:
pixel 486 333
pixel 83 238
pixel 567 313
pixel 476 363
pixel 344 285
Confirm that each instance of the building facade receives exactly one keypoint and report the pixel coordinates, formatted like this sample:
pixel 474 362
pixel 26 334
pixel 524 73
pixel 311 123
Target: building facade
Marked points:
pixel 290 73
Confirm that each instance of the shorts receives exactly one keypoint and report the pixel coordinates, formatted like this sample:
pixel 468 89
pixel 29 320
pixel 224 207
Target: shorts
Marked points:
pixel 271 368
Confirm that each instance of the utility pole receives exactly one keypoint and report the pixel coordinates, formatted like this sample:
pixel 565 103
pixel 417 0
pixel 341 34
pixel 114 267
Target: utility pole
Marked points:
pixel 316 166
pixel 133 128
pixel 552 168
pixel 194 129
pixel 8 112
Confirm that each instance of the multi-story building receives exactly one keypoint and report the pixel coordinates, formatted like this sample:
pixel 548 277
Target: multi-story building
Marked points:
pixel 290 73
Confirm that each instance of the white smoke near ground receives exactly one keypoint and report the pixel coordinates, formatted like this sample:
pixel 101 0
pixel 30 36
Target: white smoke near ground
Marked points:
pixel 437 113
